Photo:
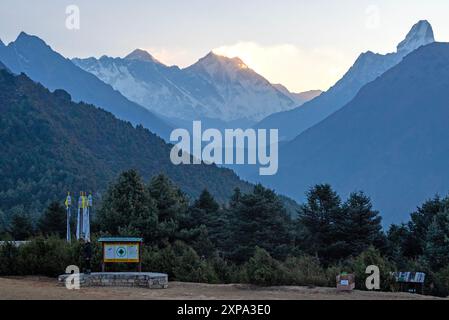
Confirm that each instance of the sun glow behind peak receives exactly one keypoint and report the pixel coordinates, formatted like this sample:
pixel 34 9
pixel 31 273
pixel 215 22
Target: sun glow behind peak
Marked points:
pixel 286 63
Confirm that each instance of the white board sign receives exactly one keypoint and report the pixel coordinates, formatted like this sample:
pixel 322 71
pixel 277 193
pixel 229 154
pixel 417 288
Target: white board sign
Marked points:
pixel 121 252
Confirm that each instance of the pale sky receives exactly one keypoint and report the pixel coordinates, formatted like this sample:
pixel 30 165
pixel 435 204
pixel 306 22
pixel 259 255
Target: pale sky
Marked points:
pixel 302 44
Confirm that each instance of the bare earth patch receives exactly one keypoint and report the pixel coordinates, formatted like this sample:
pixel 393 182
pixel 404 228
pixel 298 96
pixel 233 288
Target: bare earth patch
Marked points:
pixel 40 288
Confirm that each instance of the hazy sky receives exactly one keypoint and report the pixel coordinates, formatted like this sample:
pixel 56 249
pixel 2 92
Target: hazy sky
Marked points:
pixel 303 44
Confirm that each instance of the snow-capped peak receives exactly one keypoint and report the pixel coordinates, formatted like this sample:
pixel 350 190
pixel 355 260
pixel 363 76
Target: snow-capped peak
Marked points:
pixel 421 34
pixel 215 59
pixel 141 55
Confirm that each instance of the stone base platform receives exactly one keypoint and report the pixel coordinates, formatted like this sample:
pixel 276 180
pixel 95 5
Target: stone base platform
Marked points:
pixel 121 279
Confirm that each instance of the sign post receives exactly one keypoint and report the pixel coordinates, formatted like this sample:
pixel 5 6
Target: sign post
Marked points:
pixel 122 250
pixel 411 281
pixel 345 282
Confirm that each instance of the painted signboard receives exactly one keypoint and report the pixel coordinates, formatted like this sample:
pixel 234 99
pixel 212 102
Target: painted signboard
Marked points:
pixel 121 252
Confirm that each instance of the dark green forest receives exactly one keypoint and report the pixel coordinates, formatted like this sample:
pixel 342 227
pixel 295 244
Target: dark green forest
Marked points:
pixel 250 239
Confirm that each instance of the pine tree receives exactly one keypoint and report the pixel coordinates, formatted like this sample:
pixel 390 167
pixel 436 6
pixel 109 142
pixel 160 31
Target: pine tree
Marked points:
pixel 318 217
pixel 360 225
pixel 259 219
pixel 21 226
pixel 170 200
pixel 206 211
pixel 235 198
pixel 128 207
pixel 53 221
pixel 436 251
pixel 172 205
pixel 206 202
pixel 419 225
pixel 409 241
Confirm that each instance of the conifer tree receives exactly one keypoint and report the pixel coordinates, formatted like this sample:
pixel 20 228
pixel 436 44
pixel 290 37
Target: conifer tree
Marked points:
pixel 436 251
pixel 53 221
pixel 172 205
pixel 360 225
pixel 128 206
pixel 318 216
pixel 259 219
pixel 21 226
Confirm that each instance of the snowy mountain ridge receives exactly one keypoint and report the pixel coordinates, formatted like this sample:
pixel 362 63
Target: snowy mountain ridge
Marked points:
pixel 215 87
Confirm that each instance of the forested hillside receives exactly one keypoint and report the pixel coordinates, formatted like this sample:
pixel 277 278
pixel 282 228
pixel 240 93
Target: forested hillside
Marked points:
pixel 51 145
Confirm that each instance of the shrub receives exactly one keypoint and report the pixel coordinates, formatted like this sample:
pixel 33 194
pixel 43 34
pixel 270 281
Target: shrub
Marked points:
pixel 441 283
pixel 263 270
pixel 190 268
pixel 370 257
pixel 304 271
pixel 45 257
pixel 9 255
pixel 226 271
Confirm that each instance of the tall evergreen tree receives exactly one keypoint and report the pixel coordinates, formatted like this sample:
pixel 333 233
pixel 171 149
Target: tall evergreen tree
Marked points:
pixel 206 211
pixel 21 226
pixel 128 208
pixel 409 241
pixel 172 205
pixel 259 219
pixel 207 202
pixel 360 225
pixel 436 251
pixel 53 221
pixel 420 222
pixel 318 217
pixel 170 200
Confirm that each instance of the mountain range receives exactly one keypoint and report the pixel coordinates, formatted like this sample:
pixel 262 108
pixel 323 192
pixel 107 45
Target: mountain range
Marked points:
pixel 301 97
pixel 379 129
pixel 216 88
pixel 51 144
pixel 391 141
pixel 32 56
pixel 367 68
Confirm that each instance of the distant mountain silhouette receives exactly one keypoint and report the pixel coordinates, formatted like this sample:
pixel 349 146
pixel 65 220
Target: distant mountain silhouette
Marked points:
pixel 301 97
pixel 367 68
pixel 32 56
pixel 391 140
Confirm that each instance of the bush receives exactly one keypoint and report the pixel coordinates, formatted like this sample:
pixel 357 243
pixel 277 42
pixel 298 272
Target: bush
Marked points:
pixel 227 272
pixel 155 259
pixel 45 257
pixel 190 268
pixel 9 255
pixel 372 257
pixel 441 283
pixel 331 274
pixel 180 262
pixel 304 271
pixel 263 270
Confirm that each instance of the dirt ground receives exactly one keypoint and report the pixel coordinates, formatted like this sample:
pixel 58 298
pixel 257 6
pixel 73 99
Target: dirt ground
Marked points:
pixel 48 289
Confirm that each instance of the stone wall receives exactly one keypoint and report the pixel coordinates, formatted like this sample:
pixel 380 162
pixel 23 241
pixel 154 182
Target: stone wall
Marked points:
pixel 121 279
